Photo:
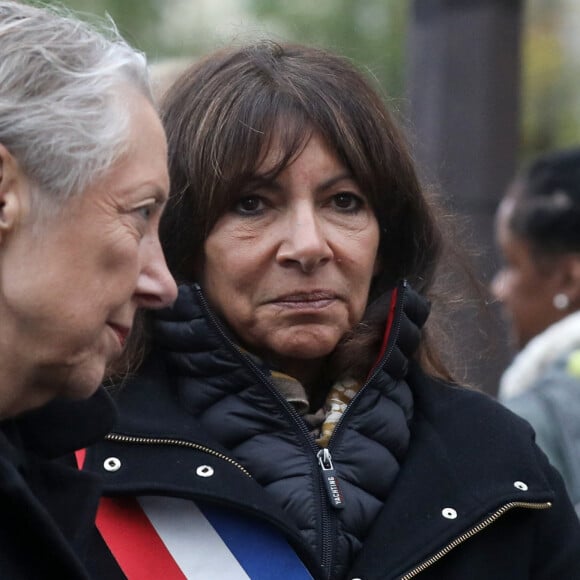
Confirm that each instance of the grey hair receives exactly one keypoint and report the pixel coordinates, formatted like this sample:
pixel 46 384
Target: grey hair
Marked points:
pixel 63 114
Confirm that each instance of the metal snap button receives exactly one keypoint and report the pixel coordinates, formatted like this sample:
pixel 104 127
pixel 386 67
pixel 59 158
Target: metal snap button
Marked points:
pixel 204 471
pixel 520 485
pixel 449 513
pixel 112 464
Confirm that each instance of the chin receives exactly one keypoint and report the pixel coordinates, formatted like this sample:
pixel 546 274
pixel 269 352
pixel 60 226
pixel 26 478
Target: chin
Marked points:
pixel 83 383
pixel 307 350
pixel 517 342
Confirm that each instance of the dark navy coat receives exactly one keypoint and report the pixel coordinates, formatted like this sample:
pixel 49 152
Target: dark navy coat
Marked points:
pixel 47 507
pixel 474 498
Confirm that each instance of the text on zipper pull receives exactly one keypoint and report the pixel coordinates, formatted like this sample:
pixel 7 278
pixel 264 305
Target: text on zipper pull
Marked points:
pixel 330 479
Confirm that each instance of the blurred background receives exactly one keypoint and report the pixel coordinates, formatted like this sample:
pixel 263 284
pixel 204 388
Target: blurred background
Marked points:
pixel 481 86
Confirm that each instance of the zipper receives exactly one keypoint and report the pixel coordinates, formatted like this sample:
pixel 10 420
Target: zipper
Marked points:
pixel 402 294
pixel 177 443
pixel 330 480
pixel 328 519
pixel 327 490
pixel 326 455
pixel 255 369
pixel 472 532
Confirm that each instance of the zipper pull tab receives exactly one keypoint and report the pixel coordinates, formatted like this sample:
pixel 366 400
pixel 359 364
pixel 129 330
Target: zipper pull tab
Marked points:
pixel 330 479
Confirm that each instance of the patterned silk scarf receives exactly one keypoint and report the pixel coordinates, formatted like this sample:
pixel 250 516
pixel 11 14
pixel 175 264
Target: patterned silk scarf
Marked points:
pixel 323 421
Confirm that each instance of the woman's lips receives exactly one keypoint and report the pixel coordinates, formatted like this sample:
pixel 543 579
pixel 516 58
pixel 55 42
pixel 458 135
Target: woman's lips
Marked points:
pixel 306 300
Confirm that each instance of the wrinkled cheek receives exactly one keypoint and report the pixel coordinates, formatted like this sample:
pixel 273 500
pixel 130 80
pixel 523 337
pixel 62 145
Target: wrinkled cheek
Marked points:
pixel 358 306
pixel 250 325
pixel 120 269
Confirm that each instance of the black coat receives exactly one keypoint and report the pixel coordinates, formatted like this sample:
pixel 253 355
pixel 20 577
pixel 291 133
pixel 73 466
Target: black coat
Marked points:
pixel 475 497
pixel 47 507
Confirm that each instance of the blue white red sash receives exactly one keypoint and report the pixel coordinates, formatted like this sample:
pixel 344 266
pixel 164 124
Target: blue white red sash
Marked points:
pixel 154 537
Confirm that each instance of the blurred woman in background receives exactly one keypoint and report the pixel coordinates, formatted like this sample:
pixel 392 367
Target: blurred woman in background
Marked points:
pixel 292 418
pixel 538 232
pixel 83 181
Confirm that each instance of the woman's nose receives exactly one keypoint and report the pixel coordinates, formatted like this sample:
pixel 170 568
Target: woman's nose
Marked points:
pixel 305 240
pixel 156 287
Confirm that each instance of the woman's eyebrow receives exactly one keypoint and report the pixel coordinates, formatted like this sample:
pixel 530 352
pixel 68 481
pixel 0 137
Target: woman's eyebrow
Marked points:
pixel 326 184
pixel 274 184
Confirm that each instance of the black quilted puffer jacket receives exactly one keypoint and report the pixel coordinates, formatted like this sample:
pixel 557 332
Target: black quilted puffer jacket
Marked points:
pixel 473 497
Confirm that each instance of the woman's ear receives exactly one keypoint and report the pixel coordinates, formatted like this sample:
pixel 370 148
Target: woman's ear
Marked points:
pixel 13 189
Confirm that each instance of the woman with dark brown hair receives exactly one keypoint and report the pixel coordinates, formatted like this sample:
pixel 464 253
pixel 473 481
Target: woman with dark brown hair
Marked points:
pixel 292 417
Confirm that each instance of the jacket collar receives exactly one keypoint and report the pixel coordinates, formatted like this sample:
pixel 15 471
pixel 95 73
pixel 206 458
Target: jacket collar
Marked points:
pixel 177 329
pixel 152 404
pixel 555 343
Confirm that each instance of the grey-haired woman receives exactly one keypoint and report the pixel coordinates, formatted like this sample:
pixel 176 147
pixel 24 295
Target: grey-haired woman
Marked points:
pixel 83 181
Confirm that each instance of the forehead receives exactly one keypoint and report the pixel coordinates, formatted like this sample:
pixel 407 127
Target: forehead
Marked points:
pixel 143 162
pixel 281 155
pixel 502 218
pixel 532 267
pixel 505 210
pixel 515 248
pixel 280 145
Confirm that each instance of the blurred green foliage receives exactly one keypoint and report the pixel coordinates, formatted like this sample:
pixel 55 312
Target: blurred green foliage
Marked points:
pixel 372 33
pixel 136 19
pixel 550 92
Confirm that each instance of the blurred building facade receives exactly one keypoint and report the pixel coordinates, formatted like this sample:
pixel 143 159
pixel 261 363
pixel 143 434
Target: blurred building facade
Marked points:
pixel 463 90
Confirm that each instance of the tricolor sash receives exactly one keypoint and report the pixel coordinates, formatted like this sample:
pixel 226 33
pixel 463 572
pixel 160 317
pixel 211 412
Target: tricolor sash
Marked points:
pixel 158 537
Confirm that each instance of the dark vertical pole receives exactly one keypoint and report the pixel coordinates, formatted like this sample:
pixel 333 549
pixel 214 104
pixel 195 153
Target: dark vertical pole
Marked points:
pixel 463 89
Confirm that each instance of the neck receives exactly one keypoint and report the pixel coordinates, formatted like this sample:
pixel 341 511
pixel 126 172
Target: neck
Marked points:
pixel 19 389
pixel 310 374
pixel 10 388
pixel 24 384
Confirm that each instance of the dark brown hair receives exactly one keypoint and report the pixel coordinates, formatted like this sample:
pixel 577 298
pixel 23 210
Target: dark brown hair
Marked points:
pixel 222 115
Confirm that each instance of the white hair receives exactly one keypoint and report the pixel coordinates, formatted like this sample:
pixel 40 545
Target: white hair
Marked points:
pixel 62 83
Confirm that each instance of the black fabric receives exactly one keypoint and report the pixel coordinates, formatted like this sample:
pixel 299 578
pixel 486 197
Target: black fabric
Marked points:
pixel 470 462
pixel 99 561
pixel 47 506
pixel 465 452
pixel 65 425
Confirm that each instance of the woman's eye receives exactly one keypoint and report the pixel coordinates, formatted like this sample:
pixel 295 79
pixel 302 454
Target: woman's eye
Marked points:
pixel 346 201
pixel 250 204
pixel 145 212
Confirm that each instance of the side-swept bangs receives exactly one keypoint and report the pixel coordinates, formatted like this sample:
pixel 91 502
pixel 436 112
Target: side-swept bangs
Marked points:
pixel 224 115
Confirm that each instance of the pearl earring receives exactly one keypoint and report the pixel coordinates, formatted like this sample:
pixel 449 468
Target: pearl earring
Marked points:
pixel 561 301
